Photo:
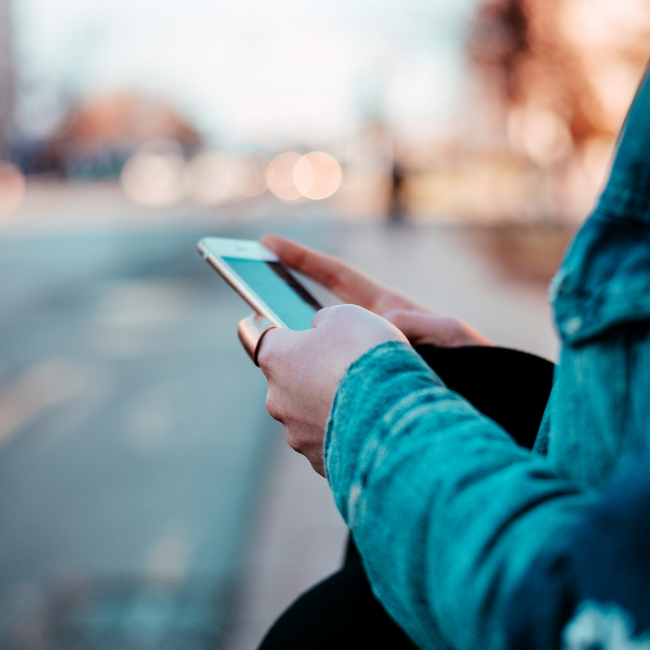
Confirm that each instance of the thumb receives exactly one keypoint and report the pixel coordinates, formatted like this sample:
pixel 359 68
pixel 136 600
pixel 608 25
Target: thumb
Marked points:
pixel 323 314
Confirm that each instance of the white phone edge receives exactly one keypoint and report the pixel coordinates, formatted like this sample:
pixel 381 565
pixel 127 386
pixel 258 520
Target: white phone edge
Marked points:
pixel 242 249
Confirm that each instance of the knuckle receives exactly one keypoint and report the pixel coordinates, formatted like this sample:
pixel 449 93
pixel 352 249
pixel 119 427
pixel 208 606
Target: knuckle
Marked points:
pixel 346 313
pixel 396 316
pixel 327 314
pixel 318 317
pixel 265 360
pixel 272 407
pixel 267 353
pixel 294 440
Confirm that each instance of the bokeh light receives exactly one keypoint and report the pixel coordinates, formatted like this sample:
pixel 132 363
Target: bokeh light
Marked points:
pixel 279 176
pixel 247 174
pixel 541 133
pixel 12 187
pixel 153 176
pixel 205 178
pixel 317 175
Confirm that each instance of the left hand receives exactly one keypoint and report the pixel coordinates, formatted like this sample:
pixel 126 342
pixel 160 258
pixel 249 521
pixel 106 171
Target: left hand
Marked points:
pixel 419 323
pixel 304 368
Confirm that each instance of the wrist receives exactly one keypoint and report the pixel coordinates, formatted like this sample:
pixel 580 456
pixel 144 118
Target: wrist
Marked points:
pixel 366 403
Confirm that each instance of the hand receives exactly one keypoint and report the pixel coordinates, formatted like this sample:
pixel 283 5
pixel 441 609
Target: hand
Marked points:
pixel 418 323
pixel 304 368
pixel 435 329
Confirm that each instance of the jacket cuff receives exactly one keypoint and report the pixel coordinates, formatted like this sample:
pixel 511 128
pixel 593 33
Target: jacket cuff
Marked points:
pixel 370 397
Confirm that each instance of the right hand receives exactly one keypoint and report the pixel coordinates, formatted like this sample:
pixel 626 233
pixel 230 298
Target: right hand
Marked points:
pixel 417 322
pixel 304 368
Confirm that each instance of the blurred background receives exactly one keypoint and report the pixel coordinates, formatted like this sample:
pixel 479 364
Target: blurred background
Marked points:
pixel 451 149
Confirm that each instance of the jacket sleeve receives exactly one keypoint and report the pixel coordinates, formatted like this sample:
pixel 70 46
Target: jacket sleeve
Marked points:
pixel 447 510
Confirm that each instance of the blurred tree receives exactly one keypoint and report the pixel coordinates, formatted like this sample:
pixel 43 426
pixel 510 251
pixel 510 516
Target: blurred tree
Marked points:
pixel 99 133
pixel 556 65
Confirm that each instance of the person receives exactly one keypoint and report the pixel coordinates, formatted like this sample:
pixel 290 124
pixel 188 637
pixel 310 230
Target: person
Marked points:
pixel 468 539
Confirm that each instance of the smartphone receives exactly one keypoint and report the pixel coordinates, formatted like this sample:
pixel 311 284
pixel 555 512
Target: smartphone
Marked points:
pixel 261 279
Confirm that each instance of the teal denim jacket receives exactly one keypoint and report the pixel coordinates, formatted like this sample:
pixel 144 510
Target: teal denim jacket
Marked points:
pixel 456 524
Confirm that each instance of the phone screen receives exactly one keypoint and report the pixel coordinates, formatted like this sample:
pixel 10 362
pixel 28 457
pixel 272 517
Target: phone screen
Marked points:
pixel 279 290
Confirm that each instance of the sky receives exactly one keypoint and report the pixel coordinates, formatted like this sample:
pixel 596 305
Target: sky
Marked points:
pixel 252 69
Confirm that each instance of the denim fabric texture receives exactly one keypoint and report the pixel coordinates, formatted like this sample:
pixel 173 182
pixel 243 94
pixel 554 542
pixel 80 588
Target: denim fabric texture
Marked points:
pixel 470 541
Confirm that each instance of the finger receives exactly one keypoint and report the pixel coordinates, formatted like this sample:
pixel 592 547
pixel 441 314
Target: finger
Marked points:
pixel 322 314
pixel 349 284
pixel 419 327
pixel 272 406
pixel 339 312
pixel 274 349
pixel 443 331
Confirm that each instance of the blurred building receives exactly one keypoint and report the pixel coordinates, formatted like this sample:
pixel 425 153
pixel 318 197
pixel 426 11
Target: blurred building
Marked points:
pixel 125 117
pixel 98 134
pixel 7 80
